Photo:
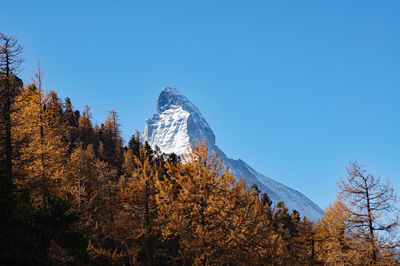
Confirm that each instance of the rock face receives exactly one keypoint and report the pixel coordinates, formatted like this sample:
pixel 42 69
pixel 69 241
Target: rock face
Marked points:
pixel 178 124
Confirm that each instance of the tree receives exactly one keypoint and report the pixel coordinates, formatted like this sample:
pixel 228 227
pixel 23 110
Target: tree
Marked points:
pixel 134 143
pixel 251 239
pixel 112 140
pixel 82 176
pixel 137 221
pixel 334 245
pixel 60 240
pixel 39 132
pixel 19 245
pixel 98 212
pixel 10 85
pixel 10 61
pixel 71 120
pixel 213 217
pixel 372 219
pixel 86 134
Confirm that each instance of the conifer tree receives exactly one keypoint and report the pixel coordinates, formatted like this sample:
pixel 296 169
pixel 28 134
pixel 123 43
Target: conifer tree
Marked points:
pixel 85 129
pixel 42 149
pixel 82 175
pixel 333 243
pixel 19 244
pixel 252 239
pixel 111 139
pixel 198 207
pixel 129 164
pixel 287 226
pixel 69 114
pixel 134 143
pixel 304 243
pixel 99 212
pixel 56 229
pixel 10 87
pixel 373 218
pixel 71 121
pixel 138 218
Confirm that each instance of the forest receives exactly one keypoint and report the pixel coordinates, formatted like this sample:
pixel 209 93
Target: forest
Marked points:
pixel 72 193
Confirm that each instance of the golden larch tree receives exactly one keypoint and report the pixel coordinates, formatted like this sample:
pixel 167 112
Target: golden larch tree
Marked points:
pixel 137 226
pixel 334 244
pixel 214 216
pixel 42 150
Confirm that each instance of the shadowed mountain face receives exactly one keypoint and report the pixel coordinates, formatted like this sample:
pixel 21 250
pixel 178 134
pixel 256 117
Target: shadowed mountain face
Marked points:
pixel 178 124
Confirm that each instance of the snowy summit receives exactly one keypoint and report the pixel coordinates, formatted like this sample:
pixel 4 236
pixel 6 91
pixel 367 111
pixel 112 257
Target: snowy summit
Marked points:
pixel 178 124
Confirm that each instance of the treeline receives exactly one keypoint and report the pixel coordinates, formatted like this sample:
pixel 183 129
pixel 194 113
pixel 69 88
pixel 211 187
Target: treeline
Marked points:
pixel 73 194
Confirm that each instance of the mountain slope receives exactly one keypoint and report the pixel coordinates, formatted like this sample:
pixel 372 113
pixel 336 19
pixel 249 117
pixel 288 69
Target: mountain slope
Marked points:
pixel 178 124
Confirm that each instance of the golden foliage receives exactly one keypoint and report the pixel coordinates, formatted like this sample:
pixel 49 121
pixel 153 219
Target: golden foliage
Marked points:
pixel 42 151
pixel 215 217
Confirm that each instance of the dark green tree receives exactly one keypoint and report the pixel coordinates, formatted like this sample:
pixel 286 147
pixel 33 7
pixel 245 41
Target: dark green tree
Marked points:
pixel 134 143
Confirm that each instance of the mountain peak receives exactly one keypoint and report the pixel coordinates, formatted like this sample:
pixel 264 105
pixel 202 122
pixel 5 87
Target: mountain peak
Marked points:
pixel 178 124
pixel 172 90
pixel 169 98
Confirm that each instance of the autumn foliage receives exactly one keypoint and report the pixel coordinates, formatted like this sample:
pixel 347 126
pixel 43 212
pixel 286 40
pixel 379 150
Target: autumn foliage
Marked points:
pixel 73 194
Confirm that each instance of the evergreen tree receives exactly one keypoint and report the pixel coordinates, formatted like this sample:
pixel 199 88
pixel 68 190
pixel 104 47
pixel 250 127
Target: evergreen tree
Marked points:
pixel 71 121
pixel 134 143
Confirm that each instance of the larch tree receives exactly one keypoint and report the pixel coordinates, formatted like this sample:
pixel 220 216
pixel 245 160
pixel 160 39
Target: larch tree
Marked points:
pixel 99 212
pixel 82 176
pixel 251 238
pixel 137 222
pixel 129 165
pixel 304 242
pixel 42 152
pixel 91 191
pixel 334 245
pixel 197 207
pixel 10 87
pixel 86 134
pixel 111 139
pixel 373 219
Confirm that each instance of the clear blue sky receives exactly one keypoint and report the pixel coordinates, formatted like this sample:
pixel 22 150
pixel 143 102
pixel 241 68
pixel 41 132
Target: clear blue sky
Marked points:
pixel 295 88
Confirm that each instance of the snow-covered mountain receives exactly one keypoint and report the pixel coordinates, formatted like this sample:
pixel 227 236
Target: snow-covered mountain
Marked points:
pixel 178 124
